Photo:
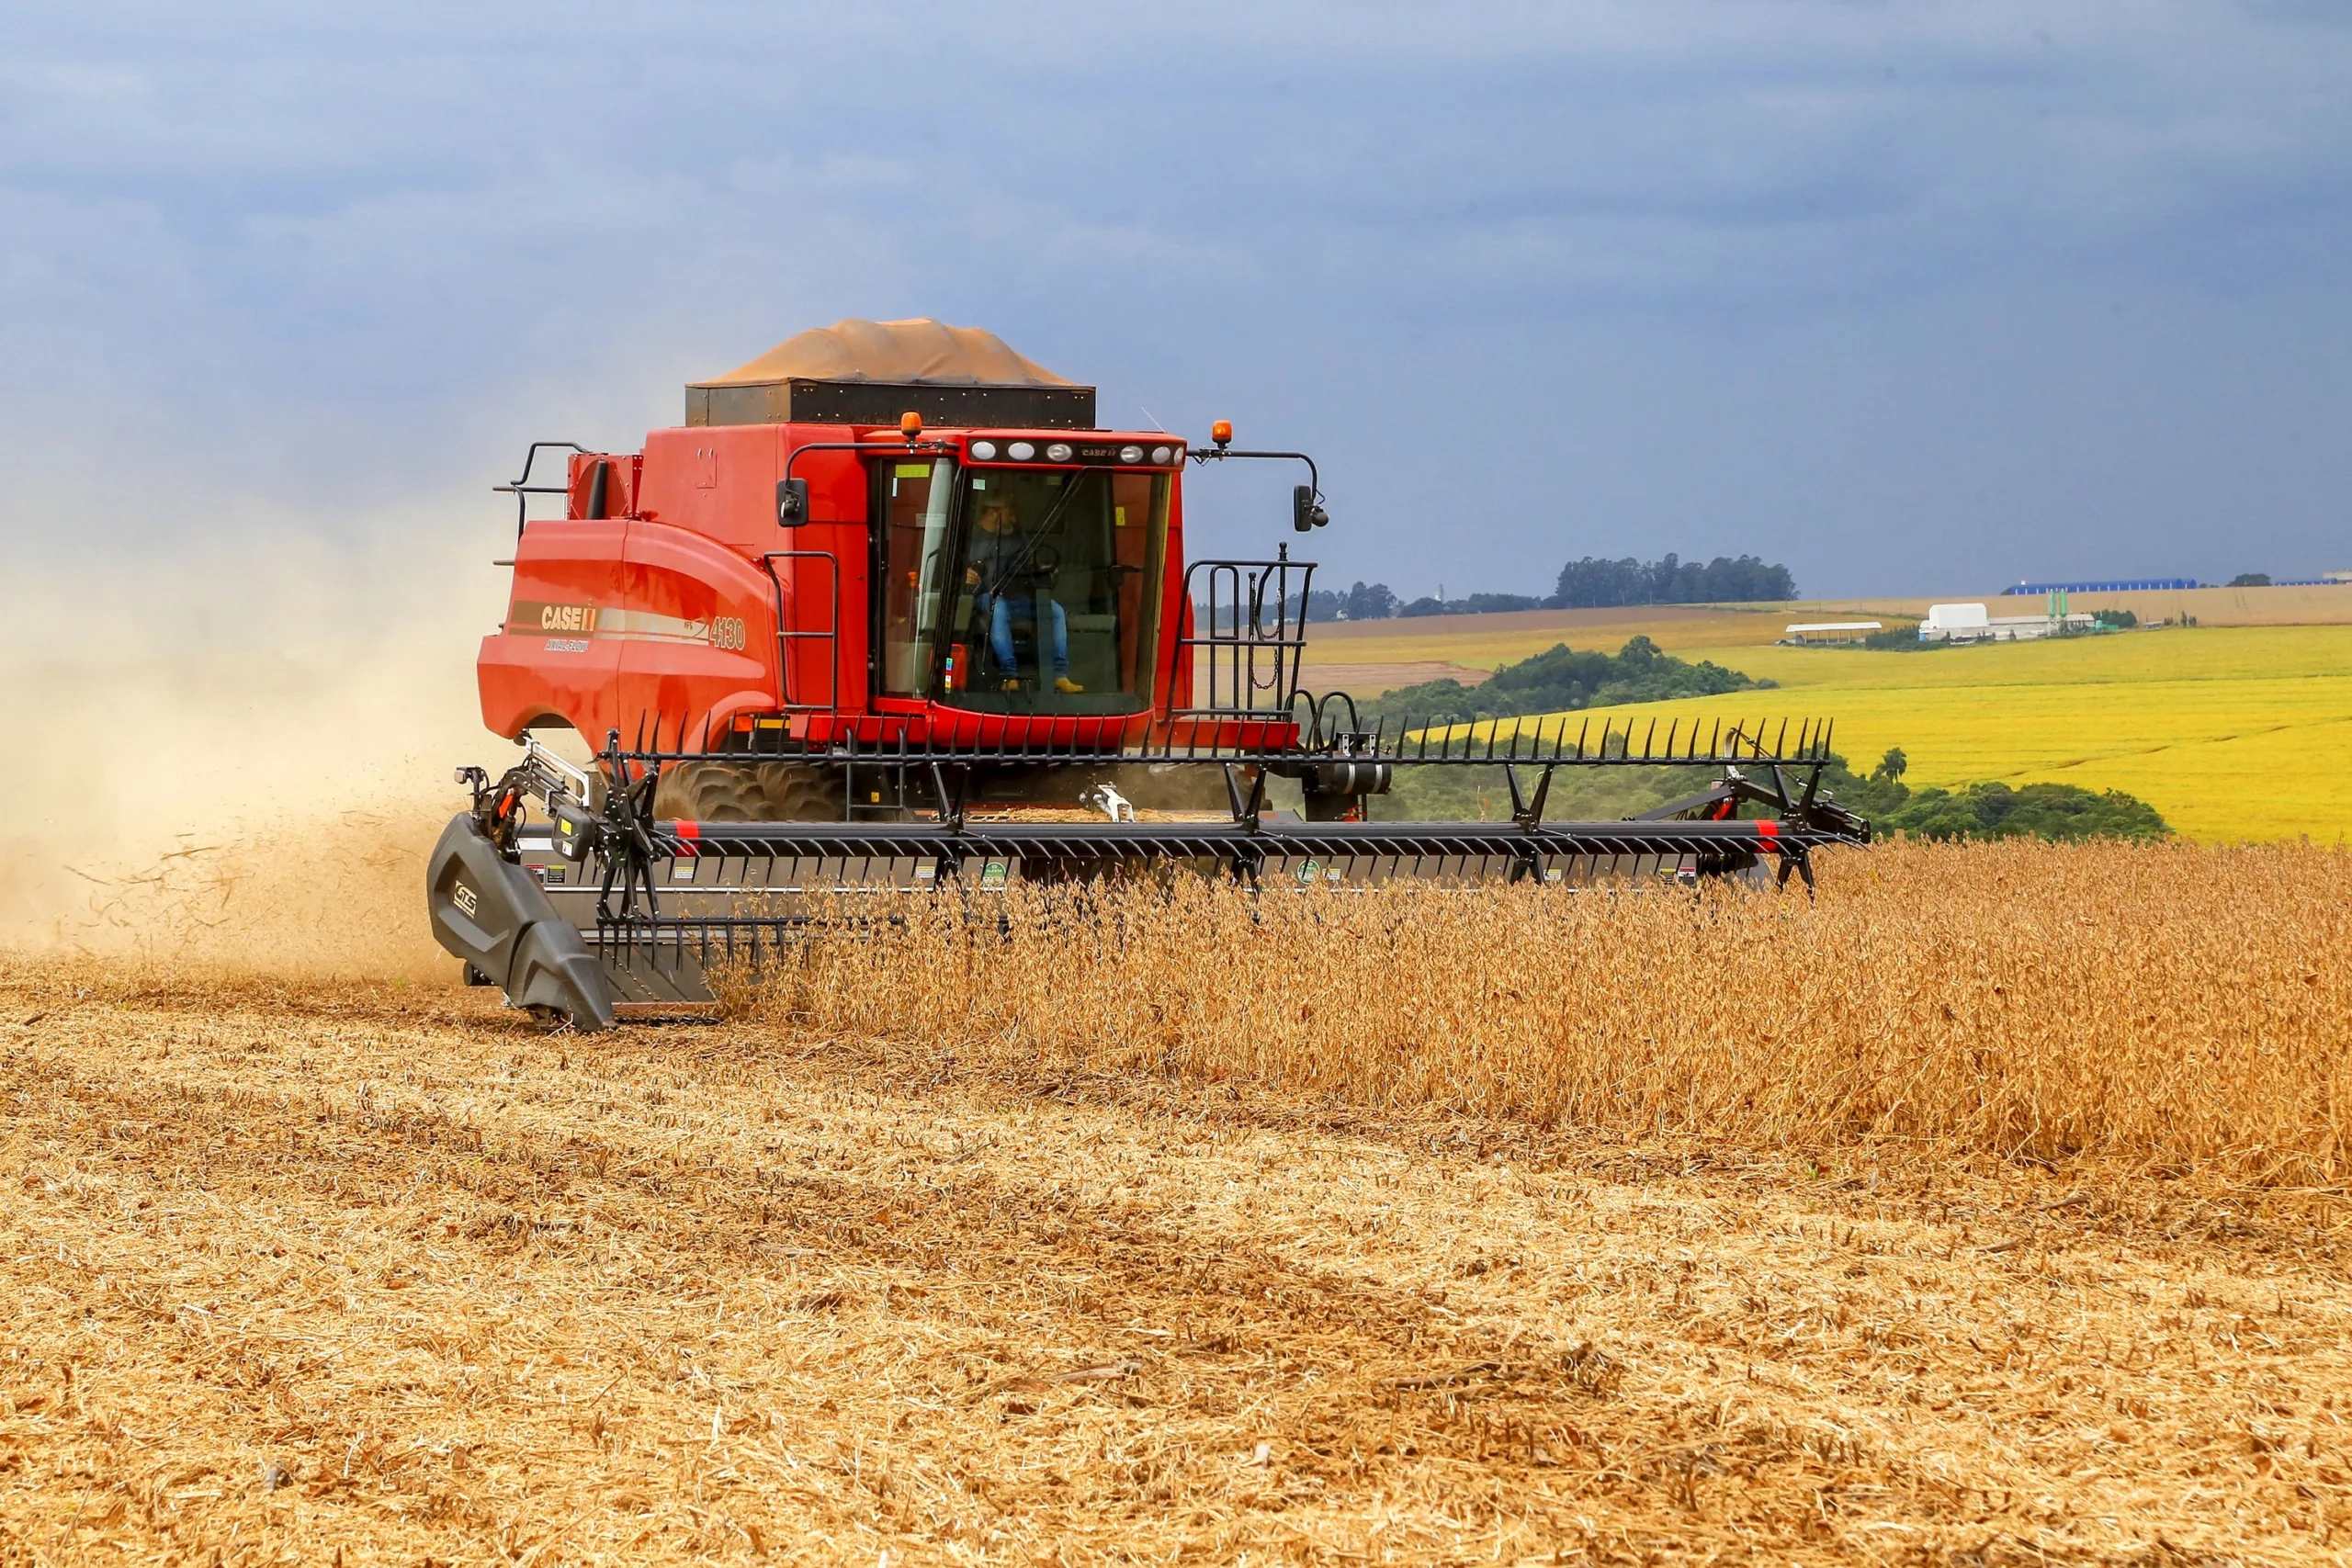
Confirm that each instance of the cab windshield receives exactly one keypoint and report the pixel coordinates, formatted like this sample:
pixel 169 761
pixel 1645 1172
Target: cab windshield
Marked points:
pixel 1049 601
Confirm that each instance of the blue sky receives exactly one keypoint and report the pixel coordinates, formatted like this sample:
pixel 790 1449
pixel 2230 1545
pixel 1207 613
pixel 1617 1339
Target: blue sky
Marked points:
pixel 1915 298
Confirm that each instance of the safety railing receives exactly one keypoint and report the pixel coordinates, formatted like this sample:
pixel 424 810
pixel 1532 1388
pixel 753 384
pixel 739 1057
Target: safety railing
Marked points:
pixel 830 634
pixel 1247 635
pixel 522 488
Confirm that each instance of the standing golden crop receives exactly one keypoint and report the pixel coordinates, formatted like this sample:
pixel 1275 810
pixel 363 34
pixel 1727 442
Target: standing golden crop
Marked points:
pixel 2172 1004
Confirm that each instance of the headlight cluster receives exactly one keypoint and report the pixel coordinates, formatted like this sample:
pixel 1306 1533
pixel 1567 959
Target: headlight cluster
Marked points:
pixel 985 451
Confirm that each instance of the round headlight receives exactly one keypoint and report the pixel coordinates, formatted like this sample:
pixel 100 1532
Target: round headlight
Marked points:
pixel 1131 453
pixel 1057 453
pixel 983 450
pixel 1160 454
pixel 1021 451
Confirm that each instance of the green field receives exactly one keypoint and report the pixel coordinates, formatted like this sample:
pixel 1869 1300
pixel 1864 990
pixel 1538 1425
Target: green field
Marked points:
pixel 2231 732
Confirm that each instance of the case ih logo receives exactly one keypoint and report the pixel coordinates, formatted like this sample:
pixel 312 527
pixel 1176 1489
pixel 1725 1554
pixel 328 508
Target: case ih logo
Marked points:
pixel 464 896
pixel 726 632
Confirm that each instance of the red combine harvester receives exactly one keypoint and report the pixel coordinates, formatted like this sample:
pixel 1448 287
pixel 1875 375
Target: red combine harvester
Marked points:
pixel 888 611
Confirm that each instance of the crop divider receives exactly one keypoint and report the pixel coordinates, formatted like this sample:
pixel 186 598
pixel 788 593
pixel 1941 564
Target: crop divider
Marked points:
pixel 1525 809
pixel 950 807
pixel 1245 810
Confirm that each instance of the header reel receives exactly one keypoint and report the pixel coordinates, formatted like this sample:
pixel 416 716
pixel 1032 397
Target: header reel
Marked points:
pixel 604 908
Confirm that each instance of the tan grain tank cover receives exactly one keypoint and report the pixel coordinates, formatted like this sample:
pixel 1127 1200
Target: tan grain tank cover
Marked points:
pixel 919 350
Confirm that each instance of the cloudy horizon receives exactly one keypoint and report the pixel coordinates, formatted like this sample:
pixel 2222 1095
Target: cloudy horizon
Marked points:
pixel 1915 299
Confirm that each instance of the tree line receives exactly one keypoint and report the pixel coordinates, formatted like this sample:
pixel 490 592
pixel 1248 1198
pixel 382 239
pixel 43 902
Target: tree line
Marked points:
pixel 1564 680
pixel 1989 810
pixel 1589 583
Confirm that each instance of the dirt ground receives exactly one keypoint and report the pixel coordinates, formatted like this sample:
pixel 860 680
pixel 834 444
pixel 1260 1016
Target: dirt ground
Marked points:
pixel 381 1275
pixel 300 1275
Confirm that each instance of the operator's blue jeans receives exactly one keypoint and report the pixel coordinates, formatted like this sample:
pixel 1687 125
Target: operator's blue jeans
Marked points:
pixel 1001 613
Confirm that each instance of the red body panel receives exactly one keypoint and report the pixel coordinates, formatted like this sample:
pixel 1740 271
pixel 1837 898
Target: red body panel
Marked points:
pixel 663 618
pixel 543 664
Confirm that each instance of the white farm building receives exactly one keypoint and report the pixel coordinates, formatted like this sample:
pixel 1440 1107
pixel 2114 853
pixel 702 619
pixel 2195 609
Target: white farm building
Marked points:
pixel 1968 623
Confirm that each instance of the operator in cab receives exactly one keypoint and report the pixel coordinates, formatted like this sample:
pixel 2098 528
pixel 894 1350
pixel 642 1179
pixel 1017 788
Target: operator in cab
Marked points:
pixel 1005 568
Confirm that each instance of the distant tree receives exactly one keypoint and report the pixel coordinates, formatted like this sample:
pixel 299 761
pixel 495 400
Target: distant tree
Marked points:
pixel 2251 579
pixel 2034 810
pixel 1744 578
pixel 1989 810
pixel 1562 679
pixel 1472 604
pixel 1594 583
pixel 2119 619
pixel 1892 767
pixel 1494 604
pixel 1368 602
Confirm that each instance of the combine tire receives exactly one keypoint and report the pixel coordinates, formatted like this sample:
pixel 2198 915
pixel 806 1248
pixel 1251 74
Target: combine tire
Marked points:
pixel 749 792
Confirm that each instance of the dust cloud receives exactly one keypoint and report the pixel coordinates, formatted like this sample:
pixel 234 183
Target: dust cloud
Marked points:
pixel 242 758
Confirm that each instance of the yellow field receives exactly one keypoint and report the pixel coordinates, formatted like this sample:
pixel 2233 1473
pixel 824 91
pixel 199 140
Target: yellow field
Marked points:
pixel 2230 731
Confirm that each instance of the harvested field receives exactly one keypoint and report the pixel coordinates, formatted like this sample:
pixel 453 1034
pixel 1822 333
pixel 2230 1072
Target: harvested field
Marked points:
pixel 295 1270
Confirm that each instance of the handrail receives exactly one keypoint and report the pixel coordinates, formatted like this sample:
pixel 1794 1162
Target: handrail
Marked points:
pixel 1250 641
pixel 914 445
pixel 521 487
pixel 832 633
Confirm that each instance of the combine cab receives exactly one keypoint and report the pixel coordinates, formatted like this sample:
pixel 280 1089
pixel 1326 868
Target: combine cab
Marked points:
pixel 889 611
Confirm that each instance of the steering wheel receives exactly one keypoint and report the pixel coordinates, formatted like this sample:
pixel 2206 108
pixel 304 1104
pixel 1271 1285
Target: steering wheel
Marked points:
pixel 1044 561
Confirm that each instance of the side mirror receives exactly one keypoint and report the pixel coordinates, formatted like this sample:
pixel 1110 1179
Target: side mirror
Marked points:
pixel 1306 514
pixel 791 503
